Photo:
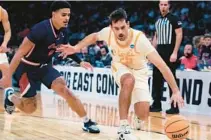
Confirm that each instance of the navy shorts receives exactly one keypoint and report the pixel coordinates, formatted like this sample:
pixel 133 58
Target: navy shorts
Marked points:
pixel 30 76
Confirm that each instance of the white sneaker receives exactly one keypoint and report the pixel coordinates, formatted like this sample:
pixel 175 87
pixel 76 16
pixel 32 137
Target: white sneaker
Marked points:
pixel 138 123
pixel 124 133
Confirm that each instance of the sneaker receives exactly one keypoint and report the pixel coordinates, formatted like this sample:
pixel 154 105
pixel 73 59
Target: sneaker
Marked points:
pixel 154 108
pixel 124 133
pixel 172 111
pixel 8 105
pixel 138 123
pixel 91 127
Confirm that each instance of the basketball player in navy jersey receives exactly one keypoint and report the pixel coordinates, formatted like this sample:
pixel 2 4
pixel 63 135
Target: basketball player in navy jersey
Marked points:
pixel 33 60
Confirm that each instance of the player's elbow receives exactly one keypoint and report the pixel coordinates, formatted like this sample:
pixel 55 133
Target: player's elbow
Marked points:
pixel 94 37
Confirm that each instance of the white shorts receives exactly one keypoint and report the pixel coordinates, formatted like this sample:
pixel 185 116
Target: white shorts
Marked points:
pixel 141 88
pixel 3 58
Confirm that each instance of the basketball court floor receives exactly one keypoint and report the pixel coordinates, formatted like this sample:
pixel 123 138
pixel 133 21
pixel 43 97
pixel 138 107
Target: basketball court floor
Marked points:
pixel 65 125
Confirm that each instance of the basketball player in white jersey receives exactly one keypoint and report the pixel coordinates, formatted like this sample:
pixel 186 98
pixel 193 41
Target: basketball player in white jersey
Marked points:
pixel 4 64
pixel 130 51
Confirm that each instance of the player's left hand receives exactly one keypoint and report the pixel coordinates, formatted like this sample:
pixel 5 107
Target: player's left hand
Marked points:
pixel 173 57
pixel 176 98
pixel 86 65
pixel 3 49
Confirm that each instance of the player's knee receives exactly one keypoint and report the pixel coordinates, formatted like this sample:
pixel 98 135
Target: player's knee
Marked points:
pixel 58 84
pixel 127 80
pixel 28 105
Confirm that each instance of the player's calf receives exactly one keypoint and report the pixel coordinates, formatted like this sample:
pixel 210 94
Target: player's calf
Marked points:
pixel 28 105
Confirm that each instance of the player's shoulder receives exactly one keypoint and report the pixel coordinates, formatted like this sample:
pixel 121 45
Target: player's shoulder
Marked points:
pixel 106 29
pixel 41 25
pixel 137 32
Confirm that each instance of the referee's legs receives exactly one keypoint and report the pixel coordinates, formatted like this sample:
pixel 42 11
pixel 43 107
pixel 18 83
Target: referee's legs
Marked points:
pixel 173 67
pixel 157 85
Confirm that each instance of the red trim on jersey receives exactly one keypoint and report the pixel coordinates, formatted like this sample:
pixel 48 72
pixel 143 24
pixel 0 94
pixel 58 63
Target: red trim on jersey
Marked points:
pixel 53 29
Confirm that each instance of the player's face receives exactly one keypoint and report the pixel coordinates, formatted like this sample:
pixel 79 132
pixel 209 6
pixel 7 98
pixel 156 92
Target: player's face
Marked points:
pixel 120 29
pixel 164 7
pixel 62 17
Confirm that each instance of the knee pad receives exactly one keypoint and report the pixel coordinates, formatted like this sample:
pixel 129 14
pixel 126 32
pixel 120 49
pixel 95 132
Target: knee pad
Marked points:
pixel 28 105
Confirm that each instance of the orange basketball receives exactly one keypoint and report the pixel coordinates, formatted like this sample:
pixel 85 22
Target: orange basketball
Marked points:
pixel 177 127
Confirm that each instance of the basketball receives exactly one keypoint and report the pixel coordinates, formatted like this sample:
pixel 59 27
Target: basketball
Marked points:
pixel 177 127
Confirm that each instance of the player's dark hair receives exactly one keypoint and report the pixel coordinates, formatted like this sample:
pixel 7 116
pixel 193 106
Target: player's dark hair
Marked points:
pixel 117 15
pixel 59 4
pixel 169 1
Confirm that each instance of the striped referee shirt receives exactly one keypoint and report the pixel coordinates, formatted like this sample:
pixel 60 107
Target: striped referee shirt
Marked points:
pixel 165 29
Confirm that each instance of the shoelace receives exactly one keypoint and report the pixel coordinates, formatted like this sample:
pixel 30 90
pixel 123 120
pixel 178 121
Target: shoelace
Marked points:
pixel 125 128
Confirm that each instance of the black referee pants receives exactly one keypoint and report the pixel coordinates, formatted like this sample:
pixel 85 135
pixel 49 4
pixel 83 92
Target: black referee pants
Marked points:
pixel 165 52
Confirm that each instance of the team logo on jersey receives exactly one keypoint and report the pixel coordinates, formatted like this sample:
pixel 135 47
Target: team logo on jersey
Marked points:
pixel 132 46
pixel 179 23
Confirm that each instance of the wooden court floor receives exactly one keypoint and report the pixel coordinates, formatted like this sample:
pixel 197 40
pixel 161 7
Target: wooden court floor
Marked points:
pixel 37 126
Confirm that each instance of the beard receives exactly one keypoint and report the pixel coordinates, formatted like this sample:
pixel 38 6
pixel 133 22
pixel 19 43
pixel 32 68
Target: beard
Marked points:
pixel 188 55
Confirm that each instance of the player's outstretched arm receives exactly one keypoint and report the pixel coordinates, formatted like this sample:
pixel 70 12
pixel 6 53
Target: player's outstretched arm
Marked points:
pixel 24 48
pixel 68 49
pixel 7 31
pixel 155 58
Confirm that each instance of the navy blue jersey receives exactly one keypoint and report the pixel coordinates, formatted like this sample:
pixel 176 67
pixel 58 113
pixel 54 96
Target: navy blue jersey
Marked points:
pixel 46 40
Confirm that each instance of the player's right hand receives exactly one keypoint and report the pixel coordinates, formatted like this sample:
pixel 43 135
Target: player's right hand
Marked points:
pixel 176 98
pixel 65 50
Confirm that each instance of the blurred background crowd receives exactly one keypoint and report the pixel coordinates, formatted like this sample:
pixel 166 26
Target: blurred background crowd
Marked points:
pixel 88 17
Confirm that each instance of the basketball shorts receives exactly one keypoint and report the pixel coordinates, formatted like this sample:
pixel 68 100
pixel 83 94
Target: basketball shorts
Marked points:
pixel 141 88
pixel 29 78
pixel 3 58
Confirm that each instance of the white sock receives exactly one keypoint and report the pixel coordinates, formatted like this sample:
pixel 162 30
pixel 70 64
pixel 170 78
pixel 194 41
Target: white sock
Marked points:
pixel 85 119
pixel 124 122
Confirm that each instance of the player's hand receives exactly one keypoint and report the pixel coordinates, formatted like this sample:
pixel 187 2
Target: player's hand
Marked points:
pixel 86 65
pixel 65 50
pixel 3 49
pixel 176 98
pixel 173 57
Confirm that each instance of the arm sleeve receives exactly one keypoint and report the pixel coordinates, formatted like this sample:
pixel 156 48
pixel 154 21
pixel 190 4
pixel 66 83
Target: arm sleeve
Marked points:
pixel 37 33
pixel 75 58
pixel 176 22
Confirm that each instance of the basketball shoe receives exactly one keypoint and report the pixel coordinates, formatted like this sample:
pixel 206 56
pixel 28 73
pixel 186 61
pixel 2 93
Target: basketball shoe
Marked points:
pixel 139 124
pixel 8 105
pixel 91 127
pixel 124 133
